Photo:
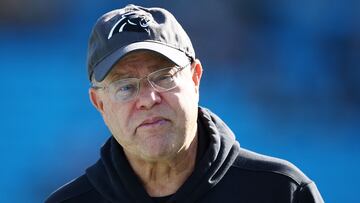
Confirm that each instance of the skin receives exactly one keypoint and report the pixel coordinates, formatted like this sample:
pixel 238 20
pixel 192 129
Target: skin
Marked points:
pixel 156 130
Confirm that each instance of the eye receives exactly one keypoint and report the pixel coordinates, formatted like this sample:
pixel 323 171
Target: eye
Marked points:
pixel 126 88
pixel 164 80
pixel 164 77
pixel 122 91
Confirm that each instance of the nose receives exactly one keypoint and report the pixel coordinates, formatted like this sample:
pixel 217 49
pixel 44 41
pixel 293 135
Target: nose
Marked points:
pixel 148 96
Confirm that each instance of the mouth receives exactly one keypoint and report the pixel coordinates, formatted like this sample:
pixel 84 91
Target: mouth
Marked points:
pixel 153 122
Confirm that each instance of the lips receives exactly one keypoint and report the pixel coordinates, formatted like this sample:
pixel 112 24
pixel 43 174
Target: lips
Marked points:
pixel 153 122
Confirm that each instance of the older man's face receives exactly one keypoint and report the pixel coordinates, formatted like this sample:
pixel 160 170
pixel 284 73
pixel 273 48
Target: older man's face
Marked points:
pixel 154 125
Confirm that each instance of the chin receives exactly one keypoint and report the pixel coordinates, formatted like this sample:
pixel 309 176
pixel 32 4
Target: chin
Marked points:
pixel 159 153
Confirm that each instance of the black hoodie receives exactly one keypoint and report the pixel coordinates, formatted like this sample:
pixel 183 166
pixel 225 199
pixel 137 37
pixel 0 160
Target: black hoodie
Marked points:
pixel 224 172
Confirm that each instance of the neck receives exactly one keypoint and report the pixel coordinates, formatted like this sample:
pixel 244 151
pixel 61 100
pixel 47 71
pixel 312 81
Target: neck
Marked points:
pixel 162 178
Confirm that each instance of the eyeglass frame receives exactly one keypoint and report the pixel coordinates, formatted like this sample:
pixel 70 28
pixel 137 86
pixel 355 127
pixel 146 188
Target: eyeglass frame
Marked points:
pixel 138 81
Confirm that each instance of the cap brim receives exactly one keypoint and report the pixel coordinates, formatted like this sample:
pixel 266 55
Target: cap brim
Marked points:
pixel 104 67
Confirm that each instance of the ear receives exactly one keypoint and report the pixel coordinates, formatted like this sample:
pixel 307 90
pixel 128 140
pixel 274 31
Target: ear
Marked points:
pixel 96 100
pixel 196 73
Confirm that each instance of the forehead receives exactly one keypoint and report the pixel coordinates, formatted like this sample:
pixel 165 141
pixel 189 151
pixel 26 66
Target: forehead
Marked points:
pixel 140 61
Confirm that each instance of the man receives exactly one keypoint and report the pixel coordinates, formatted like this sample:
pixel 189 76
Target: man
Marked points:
pixel 164 147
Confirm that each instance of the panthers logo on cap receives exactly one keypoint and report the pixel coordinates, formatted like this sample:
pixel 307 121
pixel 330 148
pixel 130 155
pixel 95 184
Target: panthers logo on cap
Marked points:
pixel 132 22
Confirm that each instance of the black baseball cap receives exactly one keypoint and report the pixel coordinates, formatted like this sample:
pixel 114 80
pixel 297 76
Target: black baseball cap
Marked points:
pixel 133 28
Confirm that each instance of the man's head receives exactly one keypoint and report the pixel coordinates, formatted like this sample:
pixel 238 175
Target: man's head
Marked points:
pixel 147 90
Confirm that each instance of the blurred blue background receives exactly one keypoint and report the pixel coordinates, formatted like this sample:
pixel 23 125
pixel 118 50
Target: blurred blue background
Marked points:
pixel 284 75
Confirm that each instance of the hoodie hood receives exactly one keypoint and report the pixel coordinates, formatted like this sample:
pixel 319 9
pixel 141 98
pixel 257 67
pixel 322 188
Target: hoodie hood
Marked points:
pixel 113 177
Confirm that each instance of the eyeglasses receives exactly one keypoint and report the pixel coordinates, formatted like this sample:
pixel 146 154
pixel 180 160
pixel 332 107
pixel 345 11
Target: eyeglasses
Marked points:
pixel 127 89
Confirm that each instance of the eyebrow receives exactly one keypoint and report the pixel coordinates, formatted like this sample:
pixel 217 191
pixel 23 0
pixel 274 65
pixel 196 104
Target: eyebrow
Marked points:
pixel 117 76
pixel 123 75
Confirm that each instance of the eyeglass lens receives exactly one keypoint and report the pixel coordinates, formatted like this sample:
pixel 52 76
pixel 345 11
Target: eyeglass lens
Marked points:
pixel 161 80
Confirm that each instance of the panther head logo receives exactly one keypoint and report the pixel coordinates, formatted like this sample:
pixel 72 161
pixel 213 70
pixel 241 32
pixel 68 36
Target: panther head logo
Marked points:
pixel 132 22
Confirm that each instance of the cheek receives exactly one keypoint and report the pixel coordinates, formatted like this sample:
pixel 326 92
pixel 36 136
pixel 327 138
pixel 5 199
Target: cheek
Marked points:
pixel 115 118
pixel 190 92
pixel 185 101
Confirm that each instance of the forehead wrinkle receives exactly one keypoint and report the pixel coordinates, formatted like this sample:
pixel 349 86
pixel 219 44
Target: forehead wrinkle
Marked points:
pixel 132 65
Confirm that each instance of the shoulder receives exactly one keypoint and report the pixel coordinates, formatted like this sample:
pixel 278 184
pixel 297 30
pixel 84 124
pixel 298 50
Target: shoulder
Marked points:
pixel 270 166
pixel 77 190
